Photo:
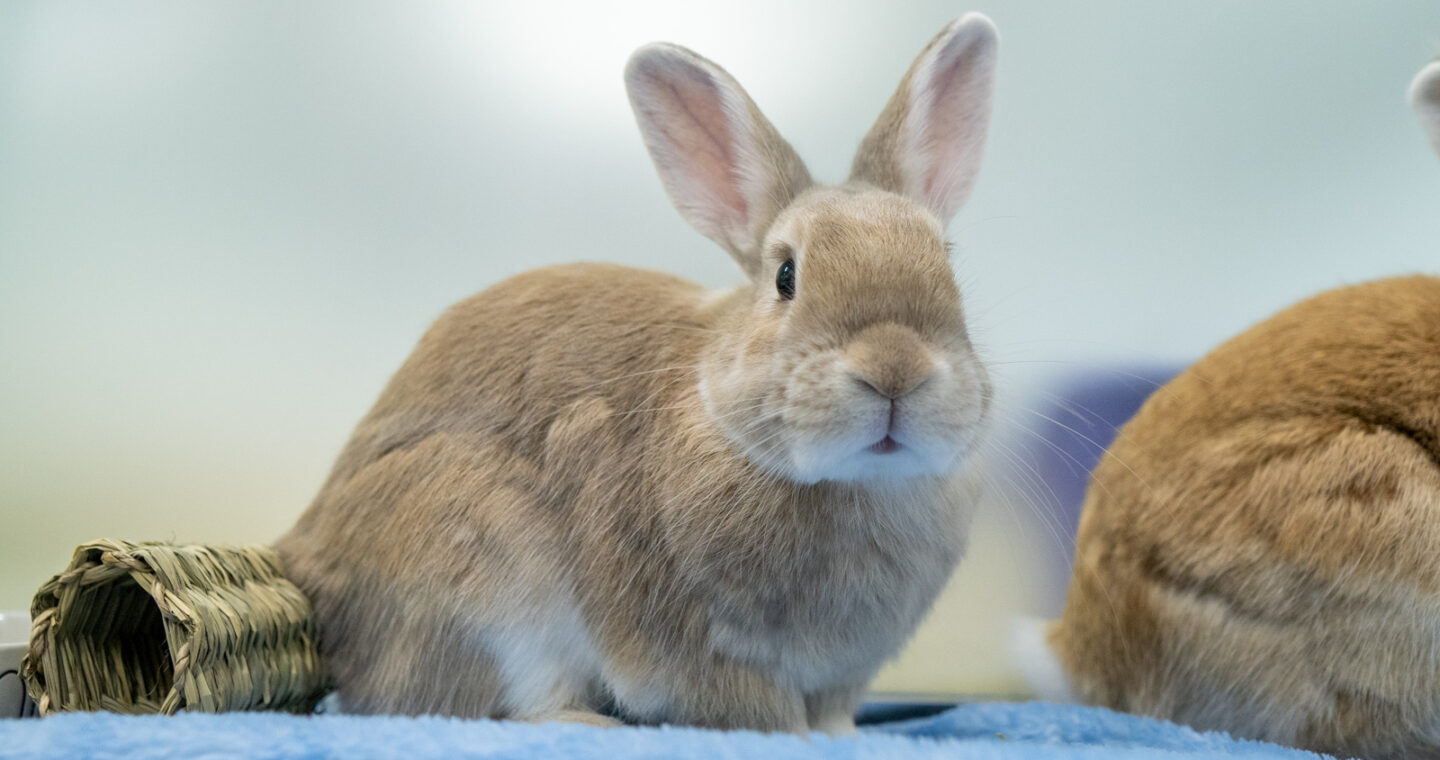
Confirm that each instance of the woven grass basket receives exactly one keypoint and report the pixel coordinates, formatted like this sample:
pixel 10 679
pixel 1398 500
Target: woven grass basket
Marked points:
pixel 156 628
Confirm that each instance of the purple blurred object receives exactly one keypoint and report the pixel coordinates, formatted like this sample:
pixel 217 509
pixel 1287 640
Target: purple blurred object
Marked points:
pixel 1073 425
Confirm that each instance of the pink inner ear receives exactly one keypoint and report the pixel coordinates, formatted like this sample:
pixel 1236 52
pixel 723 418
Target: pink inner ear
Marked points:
pixel 694 121
pixel 951 123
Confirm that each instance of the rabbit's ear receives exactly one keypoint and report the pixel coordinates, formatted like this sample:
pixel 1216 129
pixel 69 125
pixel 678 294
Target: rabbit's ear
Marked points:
pixel 928 141
pixel 1425 97
pixel 724 166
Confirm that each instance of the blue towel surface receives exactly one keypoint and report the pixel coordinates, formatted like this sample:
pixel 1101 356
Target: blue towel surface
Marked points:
pixel 973 731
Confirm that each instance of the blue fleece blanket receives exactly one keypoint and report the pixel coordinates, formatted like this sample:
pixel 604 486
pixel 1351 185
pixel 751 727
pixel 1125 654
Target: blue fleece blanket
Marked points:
pixel 973 731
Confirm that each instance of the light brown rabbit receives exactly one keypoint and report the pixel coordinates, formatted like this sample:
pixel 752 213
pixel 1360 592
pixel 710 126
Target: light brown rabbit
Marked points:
pixel 593 487
pixel 1260 552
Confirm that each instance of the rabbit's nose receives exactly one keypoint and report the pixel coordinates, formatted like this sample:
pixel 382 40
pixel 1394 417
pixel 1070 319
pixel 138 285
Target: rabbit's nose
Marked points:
pixel 893 385
pixel 890 360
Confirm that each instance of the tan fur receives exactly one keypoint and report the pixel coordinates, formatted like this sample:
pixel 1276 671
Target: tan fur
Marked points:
pixel 595 484
pixel 1258 551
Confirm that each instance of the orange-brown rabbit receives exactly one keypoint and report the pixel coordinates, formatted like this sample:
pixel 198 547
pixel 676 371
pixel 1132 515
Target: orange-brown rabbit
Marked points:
pixel 1260 551
pixel 596 485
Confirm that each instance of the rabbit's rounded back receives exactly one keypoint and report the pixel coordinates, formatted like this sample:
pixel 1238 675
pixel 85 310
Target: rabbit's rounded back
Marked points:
pixel 1257 551
pixel 596 485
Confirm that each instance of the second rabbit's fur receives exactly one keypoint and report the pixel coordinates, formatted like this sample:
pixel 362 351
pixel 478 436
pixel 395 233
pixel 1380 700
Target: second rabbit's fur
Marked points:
pixel 1259 551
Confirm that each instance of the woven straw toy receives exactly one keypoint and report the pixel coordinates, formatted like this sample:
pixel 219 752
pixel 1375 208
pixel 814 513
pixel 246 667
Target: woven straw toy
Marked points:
pixel 154 627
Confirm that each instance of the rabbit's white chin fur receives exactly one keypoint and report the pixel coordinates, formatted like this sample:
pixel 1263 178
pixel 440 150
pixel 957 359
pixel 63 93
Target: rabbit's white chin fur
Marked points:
pixel 812 465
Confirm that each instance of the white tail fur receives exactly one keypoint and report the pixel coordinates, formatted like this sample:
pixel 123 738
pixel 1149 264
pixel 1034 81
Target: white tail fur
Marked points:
pixel 1032 656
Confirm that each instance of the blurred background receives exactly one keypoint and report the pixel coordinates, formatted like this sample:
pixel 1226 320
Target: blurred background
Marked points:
pixel 223 225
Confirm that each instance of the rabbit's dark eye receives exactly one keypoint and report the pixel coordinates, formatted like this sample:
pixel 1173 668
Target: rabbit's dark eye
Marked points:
pixel 785 280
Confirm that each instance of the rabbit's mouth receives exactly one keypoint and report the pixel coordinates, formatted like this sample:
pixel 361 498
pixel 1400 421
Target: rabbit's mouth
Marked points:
pixel 886 445
pixel 838 424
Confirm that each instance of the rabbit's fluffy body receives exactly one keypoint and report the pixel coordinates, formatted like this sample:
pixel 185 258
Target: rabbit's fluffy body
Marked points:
pixel 1259 551
pixel 593 485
